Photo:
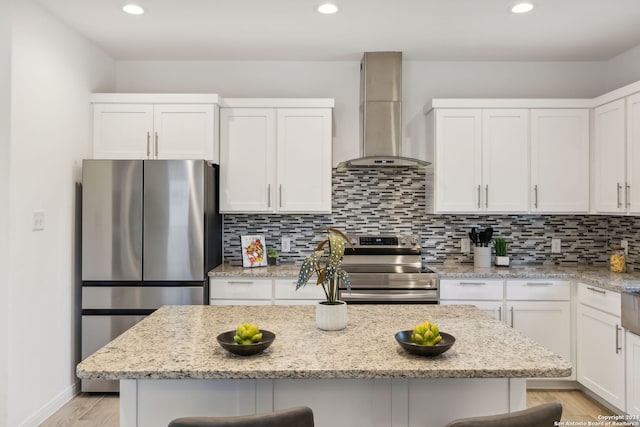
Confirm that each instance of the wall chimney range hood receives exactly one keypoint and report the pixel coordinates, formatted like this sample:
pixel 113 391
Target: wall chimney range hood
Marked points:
pixel 381 113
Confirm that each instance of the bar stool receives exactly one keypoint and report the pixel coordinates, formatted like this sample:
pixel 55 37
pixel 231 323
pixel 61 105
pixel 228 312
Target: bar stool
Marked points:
pixel 293 417
pixel 539 416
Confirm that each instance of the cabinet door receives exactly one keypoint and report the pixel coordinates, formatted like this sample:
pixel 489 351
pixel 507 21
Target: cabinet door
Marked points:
pixel 240 289
pixel 633 153
pixel 560 160
pixel 304 160
pixel 505 160
pixel 458 169
pixel 601 365
pixel 546 322
pixel 184 131
pixel 609 157
pixel 247 160
pixel 633 374
pixel 122 131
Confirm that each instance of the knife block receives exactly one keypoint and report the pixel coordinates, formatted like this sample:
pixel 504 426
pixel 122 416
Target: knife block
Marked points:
pixel 482 256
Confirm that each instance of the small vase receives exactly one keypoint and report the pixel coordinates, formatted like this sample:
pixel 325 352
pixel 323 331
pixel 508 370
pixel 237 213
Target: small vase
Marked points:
pixel 502 261
pixel 331 317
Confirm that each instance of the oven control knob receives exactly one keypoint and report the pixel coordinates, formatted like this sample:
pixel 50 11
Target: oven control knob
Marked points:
pixel 403 242
pixel 414 241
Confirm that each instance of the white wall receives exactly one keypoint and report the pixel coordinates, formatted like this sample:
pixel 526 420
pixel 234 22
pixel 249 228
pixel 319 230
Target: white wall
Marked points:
pixel 5 84
pixel 623 69
pixel 340 80
pixel 53 73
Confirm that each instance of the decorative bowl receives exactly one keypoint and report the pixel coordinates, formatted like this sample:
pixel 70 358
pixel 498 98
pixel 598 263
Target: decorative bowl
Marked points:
pixel 404 339
pixel 225 339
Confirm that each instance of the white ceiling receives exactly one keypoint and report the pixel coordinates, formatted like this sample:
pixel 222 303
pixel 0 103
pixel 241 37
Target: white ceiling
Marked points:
pixel 458 30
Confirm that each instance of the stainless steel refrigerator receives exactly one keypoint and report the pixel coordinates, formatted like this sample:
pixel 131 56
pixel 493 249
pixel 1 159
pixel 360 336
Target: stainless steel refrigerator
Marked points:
pixel 150 233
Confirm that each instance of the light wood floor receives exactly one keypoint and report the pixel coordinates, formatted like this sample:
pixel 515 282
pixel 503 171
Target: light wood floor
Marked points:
pixel 101 410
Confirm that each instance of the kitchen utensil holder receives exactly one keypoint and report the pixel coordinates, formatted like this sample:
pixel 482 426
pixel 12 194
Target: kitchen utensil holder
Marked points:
pixel 482 256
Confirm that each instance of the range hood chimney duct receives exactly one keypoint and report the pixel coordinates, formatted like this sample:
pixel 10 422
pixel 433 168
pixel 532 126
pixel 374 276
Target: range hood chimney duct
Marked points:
pixel 381 112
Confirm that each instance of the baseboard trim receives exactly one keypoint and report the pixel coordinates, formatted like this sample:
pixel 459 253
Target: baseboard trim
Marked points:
pixel 551 384
pixel 52 406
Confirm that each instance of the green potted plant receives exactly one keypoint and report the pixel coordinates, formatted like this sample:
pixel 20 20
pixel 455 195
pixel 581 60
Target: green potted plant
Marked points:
pixel 502 258
pixel 324 262
pixel 272 256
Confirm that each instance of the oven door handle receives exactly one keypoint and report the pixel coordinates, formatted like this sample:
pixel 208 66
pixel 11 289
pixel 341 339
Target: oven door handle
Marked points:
pixel 387 297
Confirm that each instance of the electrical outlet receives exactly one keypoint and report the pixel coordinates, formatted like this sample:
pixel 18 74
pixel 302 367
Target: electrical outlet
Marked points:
pixel 556 245
pixel 625 246
pixel 285 244
pixel 37 221
pixel 465 245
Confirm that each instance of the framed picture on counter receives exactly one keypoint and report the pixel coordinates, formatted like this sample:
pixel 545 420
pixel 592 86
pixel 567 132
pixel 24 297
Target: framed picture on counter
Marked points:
pixel 254 250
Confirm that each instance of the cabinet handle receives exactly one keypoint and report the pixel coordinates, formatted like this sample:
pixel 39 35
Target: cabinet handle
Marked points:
pixel 627 194
pixel 156 145
pixel 618 348
pixel 238 282
pixel 618 193
pixel 473 283
pixel 500 313
pixel 479 196
pixel 268 195
pixel 535 196
pixel 148 144
pixel 280 196
pixel 486 196
pixel 539 283
pixel 512 316
pixel 600 291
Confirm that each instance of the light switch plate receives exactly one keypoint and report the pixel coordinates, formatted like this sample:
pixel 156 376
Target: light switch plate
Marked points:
pixel 37 221
pixel 556 245
pixel 285 244
pixel 625 246
pixel 465 245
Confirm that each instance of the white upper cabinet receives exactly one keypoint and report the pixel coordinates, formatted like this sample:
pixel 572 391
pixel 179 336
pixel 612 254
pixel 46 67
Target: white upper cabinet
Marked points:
pixel 155 126
pixel 304 159
pixel 560 160
pixel 481 160
pixel 610 183
pixel 458 151
pixel 275 160
pixel 633 153
pixel 247 159
pixel 505 160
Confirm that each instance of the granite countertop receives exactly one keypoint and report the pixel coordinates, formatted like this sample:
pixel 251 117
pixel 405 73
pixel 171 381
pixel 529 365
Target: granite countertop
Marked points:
pixel 598 276
pixel 178 342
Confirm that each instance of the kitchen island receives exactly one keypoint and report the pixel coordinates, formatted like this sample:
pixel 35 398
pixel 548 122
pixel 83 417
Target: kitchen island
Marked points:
pixel 170 365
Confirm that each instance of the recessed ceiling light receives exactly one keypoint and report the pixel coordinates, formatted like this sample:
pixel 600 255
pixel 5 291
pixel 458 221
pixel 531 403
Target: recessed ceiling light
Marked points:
pixel 133 9
pixel 522 8
pixel 327 8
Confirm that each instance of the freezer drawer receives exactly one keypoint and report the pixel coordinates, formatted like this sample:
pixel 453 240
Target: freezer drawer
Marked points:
pixel 139 297
pixel 112 220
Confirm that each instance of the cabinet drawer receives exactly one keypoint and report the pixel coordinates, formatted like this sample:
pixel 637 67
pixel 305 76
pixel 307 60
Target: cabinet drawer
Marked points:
pixel 599 298
pixel 286 289
pixel 240 288
pixel 538 289
pixel 471 289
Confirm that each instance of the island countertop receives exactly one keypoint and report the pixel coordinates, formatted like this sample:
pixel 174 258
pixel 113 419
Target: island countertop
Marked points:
pixel 179 342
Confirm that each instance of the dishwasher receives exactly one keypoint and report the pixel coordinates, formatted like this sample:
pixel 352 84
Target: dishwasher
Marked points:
pixel 630 311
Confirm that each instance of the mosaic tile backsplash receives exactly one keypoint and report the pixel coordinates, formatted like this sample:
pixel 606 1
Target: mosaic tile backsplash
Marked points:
pixel 393 200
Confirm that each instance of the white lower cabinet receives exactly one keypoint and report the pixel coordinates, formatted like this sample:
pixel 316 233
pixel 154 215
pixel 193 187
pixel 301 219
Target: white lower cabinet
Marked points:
pixel 240 291
pixel 600 352
pixel 262 291
pixel 633 373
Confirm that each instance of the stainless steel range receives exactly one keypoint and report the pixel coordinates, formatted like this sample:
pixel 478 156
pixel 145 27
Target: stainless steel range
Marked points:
pixel 387 269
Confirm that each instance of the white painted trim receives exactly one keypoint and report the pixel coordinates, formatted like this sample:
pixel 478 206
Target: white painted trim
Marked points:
pixel 508 103
pixel 277 102
pixel 155 98
pixel 627 90
pixel 128 403
pixel 517 394
pixel 52 406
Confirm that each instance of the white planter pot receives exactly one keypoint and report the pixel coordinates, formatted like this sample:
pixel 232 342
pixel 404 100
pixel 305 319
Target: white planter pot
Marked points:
pixel 502 261
pixel 482 256
pixel 331 317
